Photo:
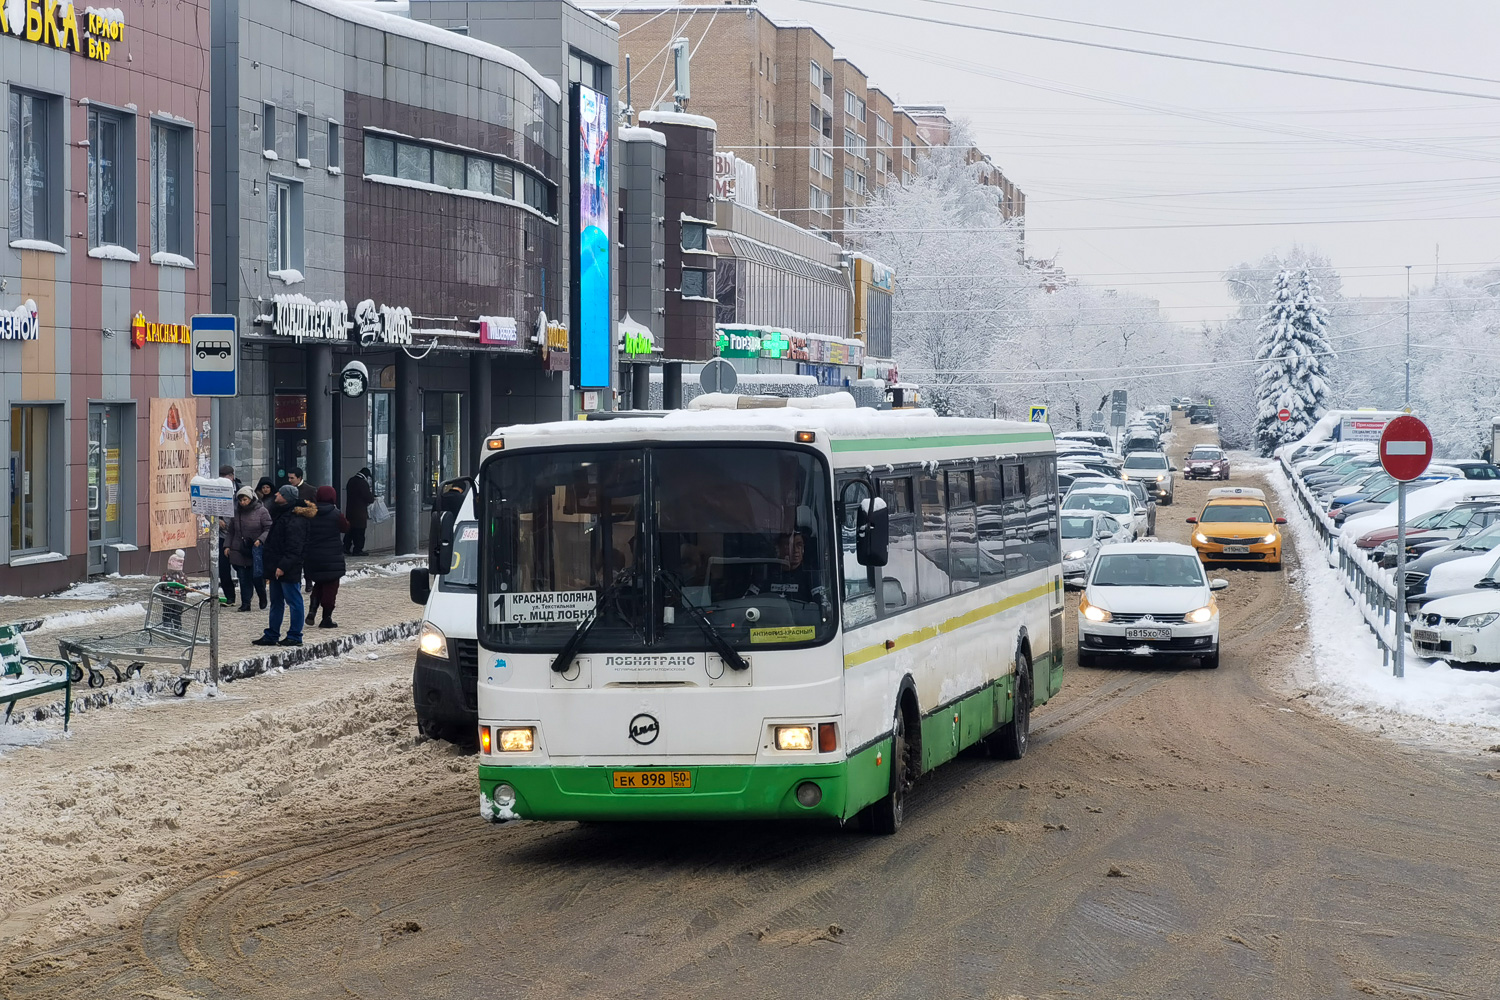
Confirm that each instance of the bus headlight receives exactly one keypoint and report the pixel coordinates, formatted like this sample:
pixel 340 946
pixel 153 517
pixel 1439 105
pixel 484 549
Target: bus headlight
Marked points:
pixel 1201 615
pixel 516 740
pixel 433 642
pixel 794 737
pixel 1092 613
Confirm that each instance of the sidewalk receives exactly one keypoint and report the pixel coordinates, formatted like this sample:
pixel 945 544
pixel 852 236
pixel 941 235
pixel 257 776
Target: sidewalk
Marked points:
pixel 373 607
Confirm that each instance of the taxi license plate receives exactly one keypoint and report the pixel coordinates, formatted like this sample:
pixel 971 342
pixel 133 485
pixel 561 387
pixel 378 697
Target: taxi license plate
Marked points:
pixel 653 779
pixel 1424 635
pixel 1148 633
pixel 1236 550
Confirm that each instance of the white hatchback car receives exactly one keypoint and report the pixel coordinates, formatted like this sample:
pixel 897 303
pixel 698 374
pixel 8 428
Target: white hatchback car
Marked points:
pixel 1149 599
pixel 1463 629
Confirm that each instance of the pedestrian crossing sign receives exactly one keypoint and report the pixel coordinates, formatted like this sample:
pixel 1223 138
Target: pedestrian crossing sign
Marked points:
pixel 1039 414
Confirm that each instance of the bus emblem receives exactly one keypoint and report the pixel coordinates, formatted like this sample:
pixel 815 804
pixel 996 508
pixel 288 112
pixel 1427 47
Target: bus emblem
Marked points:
pixel 644 729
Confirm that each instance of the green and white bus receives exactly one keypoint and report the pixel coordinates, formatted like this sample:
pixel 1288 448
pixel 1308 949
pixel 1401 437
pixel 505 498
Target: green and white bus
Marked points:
pixel 755 611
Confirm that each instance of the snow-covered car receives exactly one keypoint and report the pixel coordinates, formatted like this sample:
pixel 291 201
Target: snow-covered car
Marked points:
pixel 1463 629
pixel 1148 599
pixel 1436 527
pixel 1104 498
pixel 1082 535
pixel 1139 442
pixel 1152 469
pixel 1206 462
pixel 1145 504
pixel 1430 570
pixel 1097 439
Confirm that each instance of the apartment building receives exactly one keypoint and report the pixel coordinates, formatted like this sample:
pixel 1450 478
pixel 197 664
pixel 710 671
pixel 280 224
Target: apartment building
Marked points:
pixel 935 128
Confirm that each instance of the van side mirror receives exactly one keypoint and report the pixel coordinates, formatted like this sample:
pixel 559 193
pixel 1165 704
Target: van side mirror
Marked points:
pixel 420 586
pixel 450 501
pixel 872 532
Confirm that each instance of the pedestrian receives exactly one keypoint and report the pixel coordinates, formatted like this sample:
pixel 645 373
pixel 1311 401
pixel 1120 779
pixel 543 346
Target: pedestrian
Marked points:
pixel 324 563
pixel 306 492
pixel 245 546
pixel 358 496
pixel 226 568
pixel 264 489
pixel 285 547
pixel 177 584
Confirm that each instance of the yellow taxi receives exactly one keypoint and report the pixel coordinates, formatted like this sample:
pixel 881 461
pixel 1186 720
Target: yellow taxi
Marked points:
pixel 1237 526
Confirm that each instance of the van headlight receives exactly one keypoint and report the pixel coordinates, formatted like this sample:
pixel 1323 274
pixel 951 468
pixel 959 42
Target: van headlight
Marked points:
pixel 1479 621
pixel 433 642
pixel 1200 615
pixel 1076 554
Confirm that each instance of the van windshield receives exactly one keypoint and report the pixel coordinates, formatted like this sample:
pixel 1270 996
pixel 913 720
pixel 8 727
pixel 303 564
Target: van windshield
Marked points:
pixel 464 576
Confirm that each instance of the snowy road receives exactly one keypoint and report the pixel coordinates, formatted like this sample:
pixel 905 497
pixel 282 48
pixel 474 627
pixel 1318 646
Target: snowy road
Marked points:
pixel 1173 833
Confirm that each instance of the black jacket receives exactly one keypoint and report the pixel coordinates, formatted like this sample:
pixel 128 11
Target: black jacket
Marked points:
pixel 324 560
pixel 286 545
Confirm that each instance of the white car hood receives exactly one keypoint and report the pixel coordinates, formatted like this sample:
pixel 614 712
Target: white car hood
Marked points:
pixel 1463 605
pixel 1148 600
pixel 1460 573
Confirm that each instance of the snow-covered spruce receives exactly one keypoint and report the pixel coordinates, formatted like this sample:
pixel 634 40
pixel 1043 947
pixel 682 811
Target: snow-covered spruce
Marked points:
pixel 1294 354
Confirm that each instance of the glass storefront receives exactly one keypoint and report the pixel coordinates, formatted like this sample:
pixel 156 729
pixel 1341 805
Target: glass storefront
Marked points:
pixel 30 431
pixel 107 494
pixel 441 440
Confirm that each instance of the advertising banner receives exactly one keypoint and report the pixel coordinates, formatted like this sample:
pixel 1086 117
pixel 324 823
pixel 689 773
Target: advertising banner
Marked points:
pixel 591 262
pixel 174 462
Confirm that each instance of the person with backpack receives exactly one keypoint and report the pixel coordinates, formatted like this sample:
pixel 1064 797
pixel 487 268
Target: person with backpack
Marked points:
pixel 285 551
pixel 359 494
pixel 324 560
pixel 244 546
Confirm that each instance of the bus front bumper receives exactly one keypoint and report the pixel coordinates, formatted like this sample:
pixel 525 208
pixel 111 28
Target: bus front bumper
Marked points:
pixel 718 792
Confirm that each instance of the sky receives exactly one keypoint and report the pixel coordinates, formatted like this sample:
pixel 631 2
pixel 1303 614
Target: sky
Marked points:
pixel 1110 146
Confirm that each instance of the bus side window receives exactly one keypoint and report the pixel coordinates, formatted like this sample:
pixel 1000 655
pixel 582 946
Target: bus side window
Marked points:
pixel 859 592
pixel 1017 560
pixel 1041 513
pixel 932 540
pixel 991 520
pixel 898 590
pixel 963 532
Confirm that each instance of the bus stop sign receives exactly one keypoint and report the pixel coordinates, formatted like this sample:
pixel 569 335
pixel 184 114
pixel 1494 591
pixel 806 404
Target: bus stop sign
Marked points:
pixel 1405 448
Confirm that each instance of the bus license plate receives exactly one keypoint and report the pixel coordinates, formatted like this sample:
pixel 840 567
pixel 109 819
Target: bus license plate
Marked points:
pixel 1148 633
pixel 653 779
pixel 1236 550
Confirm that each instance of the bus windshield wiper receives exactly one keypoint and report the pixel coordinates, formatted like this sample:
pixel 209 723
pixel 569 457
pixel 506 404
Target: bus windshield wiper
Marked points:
pixel 715 637
pixel 564 658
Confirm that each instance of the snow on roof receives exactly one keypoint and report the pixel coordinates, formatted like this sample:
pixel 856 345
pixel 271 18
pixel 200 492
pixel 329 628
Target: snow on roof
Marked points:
pixel 677 118
pixel 637 134
pixel 371 17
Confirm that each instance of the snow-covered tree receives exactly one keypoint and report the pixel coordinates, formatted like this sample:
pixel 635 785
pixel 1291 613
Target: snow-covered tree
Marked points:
pixel 1293 352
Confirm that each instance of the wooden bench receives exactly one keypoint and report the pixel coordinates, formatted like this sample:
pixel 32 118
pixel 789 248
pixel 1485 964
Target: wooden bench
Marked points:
pixel 26 676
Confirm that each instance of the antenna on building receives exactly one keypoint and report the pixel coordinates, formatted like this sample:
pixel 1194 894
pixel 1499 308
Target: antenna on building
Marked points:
pixel 680 58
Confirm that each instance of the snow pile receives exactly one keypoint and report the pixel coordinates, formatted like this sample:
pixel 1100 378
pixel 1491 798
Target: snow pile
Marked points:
pixel 88 591
pixel 1432 705
pixel 80 619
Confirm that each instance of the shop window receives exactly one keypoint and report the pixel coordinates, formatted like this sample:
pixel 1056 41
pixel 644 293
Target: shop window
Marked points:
pixel 694 236
pixel 30 473
pixel 171 190
pixel 445 168
pixel 284 225
pixel 378 451
pixel 268 128
pixel 696 284
pixel 303 153
pixel 441 430
pixel 335 146
pixel 479 175
pixel 413 162
pixel 448 170
pixel 111 179
pixel 107 465
pixel 505 181
pixel 36 180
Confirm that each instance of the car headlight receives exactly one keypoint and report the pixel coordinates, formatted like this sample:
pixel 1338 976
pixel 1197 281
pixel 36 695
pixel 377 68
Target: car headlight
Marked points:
pixel 1200 538
pixel 1479 621
pixel 433 642
pixel 1161 479
pixel 1271 538
pixel 1093 613
pixel 1076 554
pixel 1200 615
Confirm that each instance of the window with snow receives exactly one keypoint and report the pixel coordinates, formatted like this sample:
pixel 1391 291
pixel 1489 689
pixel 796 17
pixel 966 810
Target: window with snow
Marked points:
pixel 171 189
pixel 111 178
pixel 694 236
pixel 284 226
pixel 36 210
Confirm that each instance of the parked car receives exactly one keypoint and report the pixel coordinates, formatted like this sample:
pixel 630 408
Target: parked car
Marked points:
pixel 1083 532
pixel 1437 526
pixel 1381 499
pixel 1206 462
pixel 1152 469
pixel 1419 571
pixel 1473 468
pixel 1148 599
pixel 1237 525
pixel 1463 629
pixel 1416 603
pixel 1145 504
pixel 1104 498
pixel 1097 439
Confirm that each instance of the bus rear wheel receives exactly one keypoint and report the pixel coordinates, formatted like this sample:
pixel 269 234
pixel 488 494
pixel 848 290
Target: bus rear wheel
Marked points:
pixel 1011 740
pixel 885 816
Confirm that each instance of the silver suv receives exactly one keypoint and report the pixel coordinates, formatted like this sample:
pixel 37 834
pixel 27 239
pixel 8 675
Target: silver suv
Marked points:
pixel 1152 470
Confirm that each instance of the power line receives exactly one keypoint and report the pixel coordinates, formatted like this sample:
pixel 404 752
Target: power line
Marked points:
pixel 866 231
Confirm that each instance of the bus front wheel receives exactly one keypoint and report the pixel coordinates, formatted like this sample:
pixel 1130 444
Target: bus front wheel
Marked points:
pixel 887 814
pixel 1011 740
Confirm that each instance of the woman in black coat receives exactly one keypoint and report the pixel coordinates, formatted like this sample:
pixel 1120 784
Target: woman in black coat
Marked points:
pixel 324 561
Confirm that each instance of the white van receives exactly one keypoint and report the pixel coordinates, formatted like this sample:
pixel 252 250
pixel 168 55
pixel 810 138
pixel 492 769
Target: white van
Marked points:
pixel 444 681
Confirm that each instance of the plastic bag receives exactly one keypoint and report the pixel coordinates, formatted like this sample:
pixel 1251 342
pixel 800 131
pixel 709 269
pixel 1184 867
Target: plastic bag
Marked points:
pixel 379 512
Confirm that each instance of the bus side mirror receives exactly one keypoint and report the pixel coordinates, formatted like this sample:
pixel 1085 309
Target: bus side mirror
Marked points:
pixel 872 532
pixel 420 586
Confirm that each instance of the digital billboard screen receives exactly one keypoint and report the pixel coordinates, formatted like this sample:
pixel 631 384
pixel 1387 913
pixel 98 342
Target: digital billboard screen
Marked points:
pixel 591 187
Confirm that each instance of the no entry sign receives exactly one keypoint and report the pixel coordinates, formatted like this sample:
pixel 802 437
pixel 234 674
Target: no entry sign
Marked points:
pixel 1405 448
pixel 1283 414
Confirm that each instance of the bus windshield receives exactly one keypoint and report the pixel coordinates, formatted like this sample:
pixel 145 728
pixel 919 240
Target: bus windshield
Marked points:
pixel 647 540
